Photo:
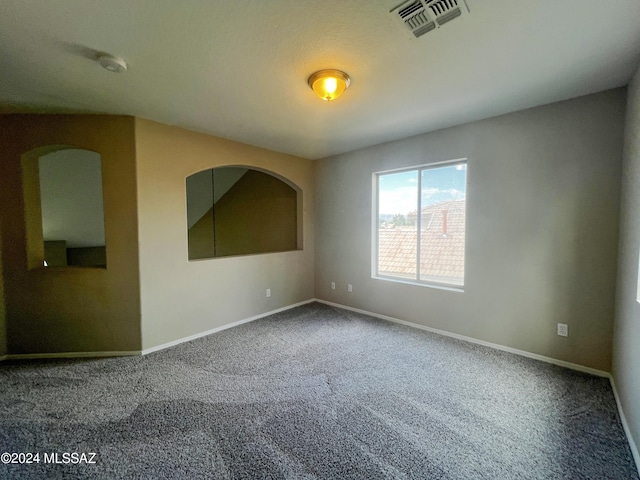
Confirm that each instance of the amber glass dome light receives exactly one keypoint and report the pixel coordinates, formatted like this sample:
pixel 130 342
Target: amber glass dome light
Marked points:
pixel 329 84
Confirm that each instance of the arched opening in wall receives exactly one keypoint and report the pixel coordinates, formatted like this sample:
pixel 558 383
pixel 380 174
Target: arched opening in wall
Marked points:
pixel 64 207
pixel 236 210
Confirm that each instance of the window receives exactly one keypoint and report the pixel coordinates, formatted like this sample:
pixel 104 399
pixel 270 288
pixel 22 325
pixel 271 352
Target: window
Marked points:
pixel 419 233
pixel 240 211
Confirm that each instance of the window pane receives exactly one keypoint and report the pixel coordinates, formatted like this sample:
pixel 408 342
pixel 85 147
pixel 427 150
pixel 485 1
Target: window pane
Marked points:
pixel 397 226
pixel 442 235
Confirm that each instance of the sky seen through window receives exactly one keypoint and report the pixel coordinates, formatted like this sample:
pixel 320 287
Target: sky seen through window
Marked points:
pixel 398 191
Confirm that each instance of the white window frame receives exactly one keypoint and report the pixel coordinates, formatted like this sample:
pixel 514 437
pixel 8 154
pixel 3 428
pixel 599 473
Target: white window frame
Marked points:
pixel 375 219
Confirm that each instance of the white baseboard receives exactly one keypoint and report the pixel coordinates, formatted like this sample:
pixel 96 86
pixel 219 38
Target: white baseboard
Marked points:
pixel 223 327
pixel 523 353
pixel 625 425
pixel 32 356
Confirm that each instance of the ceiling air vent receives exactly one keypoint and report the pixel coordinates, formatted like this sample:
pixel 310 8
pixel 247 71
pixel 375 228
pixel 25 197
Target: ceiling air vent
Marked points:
pixel 422 16
pixel 444 10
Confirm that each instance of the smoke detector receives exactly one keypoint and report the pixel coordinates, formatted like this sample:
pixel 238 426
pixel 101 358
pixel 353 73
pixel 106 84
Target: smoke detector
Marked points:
pixel 423 16
pixel 111 63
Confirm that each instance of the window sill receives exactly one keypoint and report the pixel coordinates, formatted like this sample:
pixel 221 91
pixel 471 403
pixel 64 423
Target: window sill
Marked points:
pixel 438 286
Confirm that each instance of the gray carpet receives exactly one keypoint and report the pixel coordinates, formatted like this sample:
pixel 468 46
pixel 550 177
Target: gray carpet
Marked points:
pixel 313 392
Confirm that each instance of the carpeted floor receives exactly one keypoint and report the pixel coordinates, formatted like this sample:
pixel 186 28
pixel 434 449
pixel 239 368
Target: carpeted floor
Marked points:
pixel 313 392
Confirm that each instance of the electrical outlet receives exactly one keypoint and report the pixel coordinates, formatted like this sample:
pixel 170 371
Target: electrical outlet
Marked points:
pixel 563 329
pixel 268 292
pixel 349 288
pixel 333 285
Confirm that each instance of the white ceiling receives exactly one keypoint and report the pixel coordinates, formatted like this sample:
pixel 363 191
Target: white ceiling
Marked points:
pixel 238 68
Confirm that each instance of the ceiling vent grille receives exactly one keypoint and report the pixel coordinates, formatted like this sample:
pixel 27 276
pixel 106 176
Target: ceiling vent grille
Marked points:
pixel 422 16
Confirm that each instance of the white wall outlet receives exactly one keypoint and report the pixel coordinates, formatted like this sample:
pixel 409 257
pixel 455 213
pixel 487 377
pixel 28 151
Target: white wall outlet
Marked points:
pixel 563 329
pixel 349 288
pixel 333 285
pixel 268 292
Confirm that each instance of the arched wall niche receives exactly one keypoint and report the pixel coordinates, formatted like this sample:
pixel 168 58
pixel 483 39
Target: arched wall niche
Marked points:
pixel 60 309
pixel 64 207
pixel 237 210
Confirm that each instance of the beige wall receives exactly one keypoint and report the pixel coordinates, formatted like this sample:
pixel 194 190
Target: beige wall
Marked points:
pixel 181 297
pixel 71 309
pixel 258 214
pixel 626 338
pixel 542 229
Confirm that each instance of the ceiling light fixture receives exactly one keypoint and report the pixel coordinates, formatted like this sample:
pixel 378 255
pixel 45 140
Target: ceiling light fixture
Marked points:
pixel 329 84
pixel 111 63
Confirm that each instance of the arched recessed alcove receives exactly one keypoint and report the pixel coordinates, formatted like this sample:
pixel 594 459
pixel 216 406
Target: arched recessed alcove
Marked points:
pixel 64 207
pixel 240 210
